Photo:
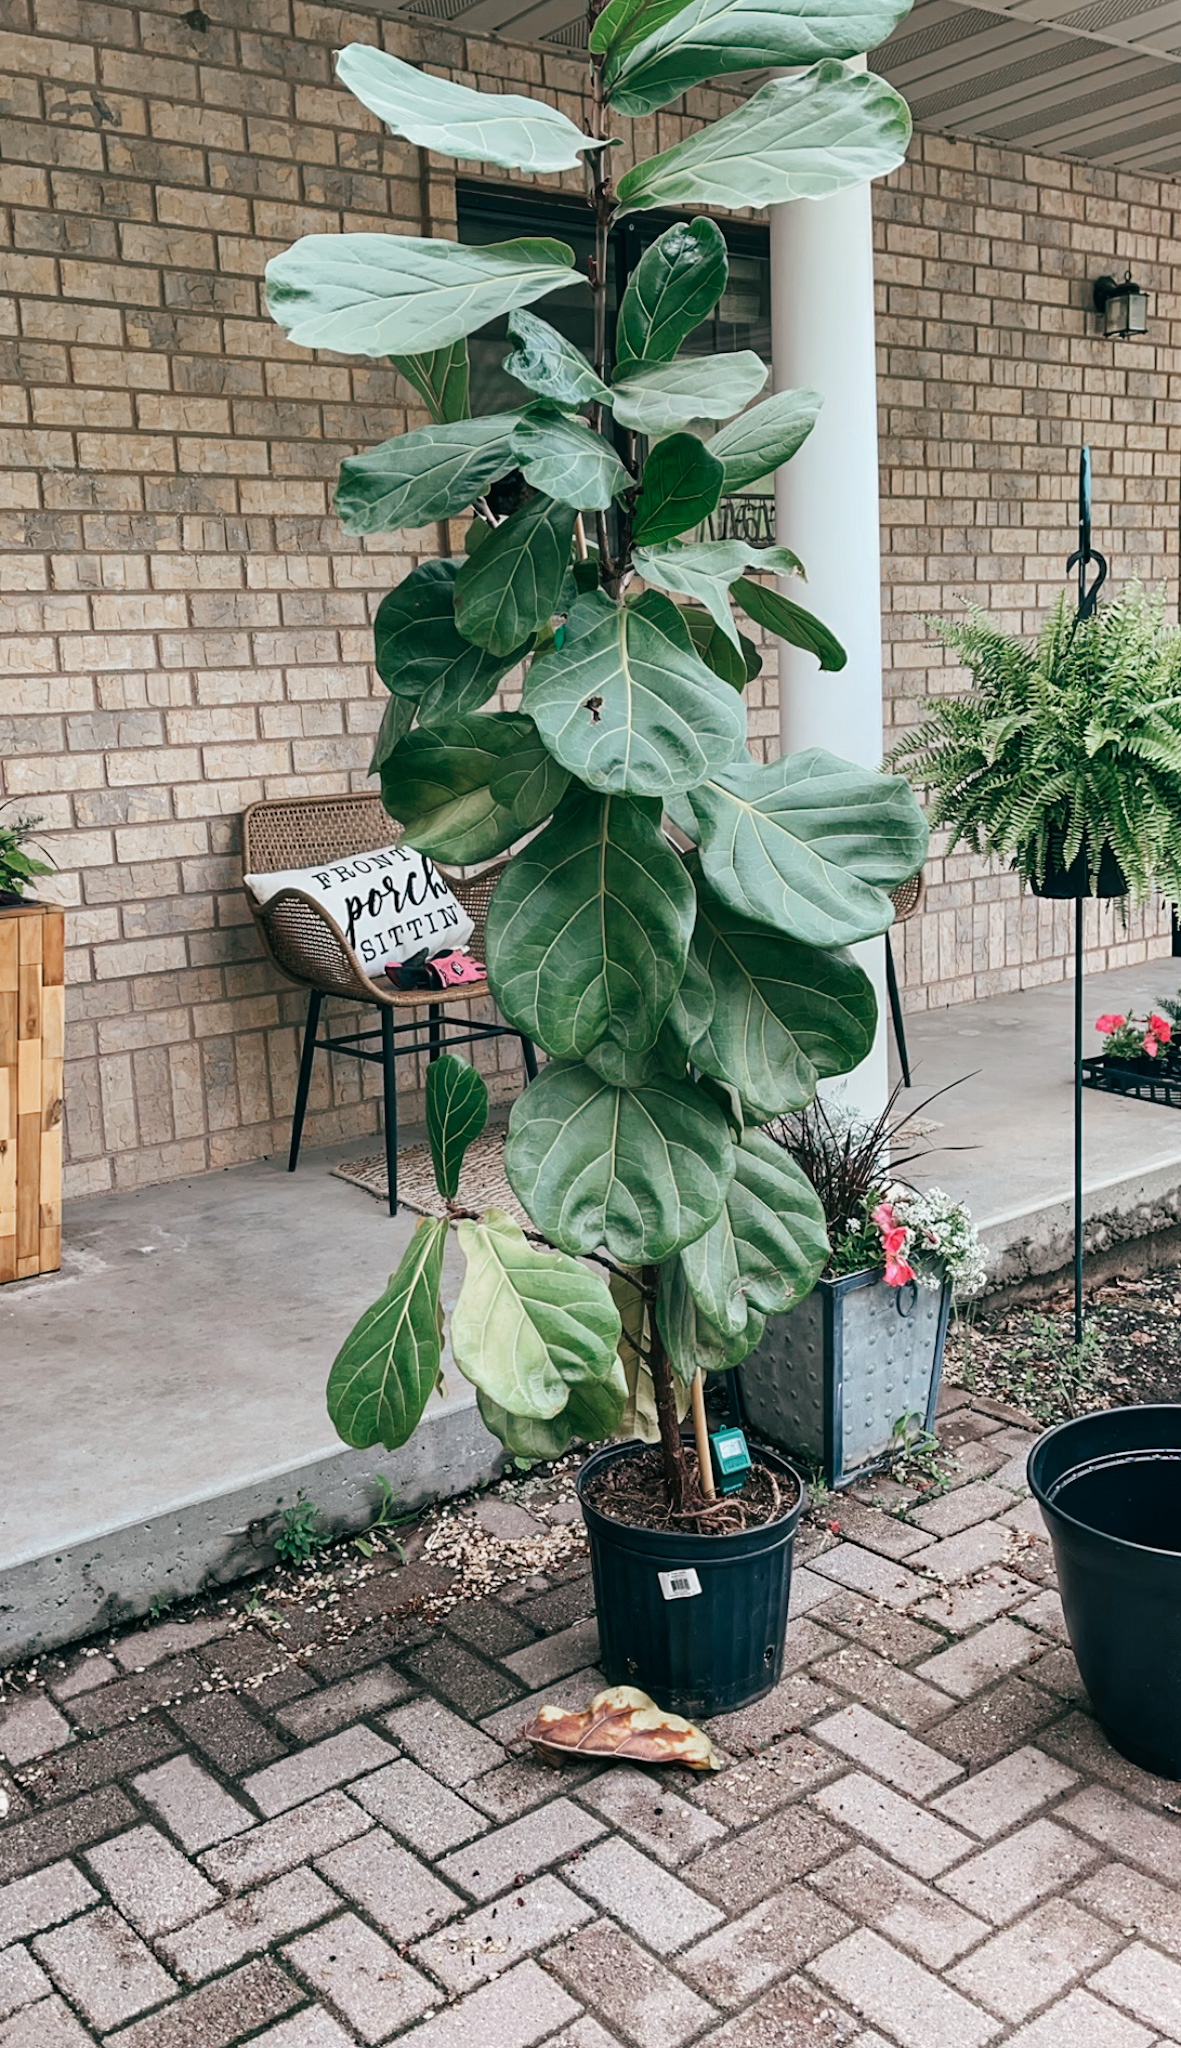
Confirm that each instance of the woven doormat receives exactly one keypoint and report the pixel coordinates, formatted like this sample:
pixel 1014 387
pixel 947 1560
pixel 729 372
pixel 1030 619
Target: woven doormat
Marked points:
pixel 482 1184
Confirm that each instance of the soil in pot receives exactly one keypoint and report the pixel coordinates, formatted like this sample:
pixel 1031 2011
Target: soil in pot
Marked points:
pixel 1109 1486
pixel 631 1490
pixel 697 1621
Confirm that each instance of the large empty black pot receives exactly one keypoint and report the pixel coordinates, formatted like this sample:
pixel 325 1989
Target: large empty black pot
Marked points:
pixel 1109 1487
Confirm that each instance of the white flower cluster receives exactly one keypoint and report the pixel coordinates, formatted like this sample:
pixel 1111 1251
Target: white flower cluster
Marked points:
pixel 941 1240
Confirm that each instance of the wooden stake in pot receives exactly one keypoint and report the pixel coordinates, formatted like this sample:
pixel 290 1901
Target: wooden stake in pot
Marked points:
pixel 701 1432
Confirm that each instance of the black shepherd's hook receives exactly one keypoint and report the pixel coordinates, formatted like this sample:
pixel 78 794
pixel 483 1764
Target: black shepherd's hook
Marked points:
pixel 1085 554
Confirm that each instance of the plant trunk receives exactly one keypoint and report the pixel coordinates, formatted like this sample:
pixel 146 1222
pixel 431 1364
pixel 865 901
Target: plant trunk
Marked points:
pixel 602 200
pixel 682 1494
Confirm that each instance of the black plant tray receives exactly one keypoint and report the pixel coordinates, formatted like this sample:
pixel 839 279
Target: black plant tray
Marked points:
pixel 1162 1087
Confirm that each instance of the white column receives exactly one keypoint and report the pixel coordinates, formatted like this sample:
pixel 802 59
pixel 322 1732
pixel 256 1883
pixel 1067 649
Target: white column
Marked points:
pixel 822 321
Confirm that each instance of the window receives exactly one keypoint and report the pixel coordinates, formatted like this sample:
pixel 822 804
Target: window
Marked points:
pixel 742 318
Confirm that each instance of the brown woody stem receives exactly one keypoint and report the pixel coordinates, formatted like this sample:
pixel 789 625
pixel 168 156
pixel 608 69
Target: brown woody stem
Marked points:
pixel 677 1479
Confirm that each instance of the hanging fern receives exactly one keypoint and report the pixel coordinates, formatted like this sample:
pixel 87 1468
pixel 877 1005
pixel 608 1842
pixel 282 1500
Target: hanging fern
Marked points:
pixel 1063 746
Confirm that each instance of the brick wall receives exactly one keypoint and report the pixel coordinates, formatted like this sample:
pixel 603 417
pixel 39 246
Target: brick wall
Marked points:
pixel 992 373
pixel 184 627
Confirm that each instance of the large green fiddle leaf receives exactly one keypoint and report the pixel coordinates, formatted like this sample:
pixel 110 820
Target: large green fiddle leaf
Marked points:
pixel 594 1409
pixel 705 571
pixel 736 665
pixel 420 653
pixel 396 721
pixel 808 844
pixel 789 621
pixel 529 1324
pixel 512 586
pixel 692 1341
pixel 430 473
pixel 391 295
pixel 657 398
pixel 784 1014
pixel 456 1112
pixel 768 1246
pixel 550 366
pixel 384 1373
pixel 626 703
pixel 764 436
pixel 673 286
pixel 568 461
pixel 796 138
pixel 688 1019
pixel 708 38
pixel 623 23
pixel 589 927
pixel 681 486
pixel 638 1171
pixel 481 127
pixel 441 379
pixel 466 789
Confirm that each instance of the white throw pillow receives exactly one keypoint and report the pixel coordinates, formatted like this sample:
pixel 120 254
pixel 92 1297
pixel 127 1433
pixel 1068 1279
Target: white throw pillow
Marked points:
pixel 389 904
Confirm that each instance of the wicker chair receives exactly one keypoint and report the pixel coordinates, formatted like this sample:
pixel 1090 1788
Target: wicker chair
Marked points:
pixel 308 946
pixel 908 901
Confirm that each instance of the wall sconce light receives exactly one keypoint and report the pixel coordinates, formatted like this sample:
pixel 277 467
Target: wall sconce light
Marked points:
pixel 1123 308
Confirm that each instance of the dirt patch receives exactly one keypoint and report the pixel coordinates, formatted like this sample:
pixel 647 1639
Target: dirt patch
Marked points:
pixel 1131 1349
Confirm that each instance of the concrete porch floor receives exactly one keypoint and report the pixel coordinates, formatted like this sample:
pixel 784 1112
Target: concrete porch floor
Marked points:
pixel 164 1394
pixel 164 1397
pixel 1006 1136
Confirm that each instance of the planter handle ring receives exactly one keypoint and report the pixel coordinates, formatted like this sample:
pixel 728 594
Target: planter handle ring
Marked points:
pixel 909 1289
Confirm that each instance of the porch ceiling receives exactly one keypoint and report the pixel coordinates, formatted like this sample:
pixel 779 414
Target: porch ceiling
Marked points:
pixel 1100 82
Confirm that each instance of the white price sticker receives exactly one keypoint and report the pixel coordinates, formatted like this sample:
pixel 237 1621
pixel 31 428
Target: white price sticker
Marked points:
pixel 679 1585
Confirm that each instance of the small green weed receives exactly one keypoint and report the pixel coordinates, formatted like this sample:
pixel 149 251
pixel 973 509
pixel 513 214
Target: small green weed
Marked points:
pixel 917 1457
pixel 299 1534
pixel 384 1519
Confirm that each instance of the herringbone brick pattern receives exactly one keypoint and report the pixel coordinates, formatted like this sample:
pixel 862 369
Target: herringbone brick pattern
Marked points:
pixel 326 1833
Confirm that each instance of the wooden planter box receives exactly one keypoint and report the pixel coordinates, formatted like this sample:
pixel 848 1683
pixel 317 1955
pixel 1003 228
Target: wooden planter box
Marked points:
pixel 32 1017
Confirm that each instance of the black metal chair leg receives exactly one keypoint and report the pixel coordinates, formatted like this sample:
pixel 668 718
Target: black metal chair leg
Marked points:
pixel 434 1031
pixel 305 1076
pixel 390 1080
pixel 529 1055
pixel 896 1012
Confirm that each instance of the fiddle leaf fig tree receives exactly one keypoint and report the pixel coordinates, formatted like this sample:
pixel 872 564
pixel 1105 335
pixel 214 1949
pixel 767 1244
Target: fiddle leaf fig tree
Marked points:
pixel 673 933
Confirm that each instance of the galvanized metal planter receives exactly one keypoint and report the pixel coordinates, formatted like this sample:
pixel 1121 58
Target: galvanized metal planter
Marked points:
pixel 829 1382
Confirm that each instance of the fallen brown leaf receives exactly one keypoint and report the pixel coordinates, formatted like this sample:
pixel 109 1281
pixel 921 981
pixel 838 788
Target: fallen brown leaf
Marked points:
pixel 625 1723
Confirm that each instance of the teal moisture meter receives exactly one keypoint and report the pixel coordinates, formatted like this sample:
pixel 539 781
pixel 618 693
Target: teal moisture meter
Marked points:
pixel 731 1459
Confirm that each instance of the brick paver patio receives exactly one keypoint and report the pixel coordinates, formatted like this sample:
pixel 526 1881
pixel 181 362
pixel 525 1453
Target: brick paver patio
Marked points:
pixel 920 1838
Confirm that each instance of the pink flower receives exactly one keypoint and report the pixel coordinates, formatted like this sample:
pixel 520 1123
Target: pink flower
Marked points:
pixel 1159 1028
pixel 898 1272
pixel 883 1216
pixel 1150 1045
pixel 893 1241
pixel 1109 1023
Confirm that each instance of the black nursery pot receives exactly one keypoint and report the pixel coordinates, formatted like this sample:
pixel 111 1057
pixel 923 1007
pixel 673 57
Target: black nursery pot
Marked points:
pixel 1074 880
pixel 1109 1487
pixel 697 1622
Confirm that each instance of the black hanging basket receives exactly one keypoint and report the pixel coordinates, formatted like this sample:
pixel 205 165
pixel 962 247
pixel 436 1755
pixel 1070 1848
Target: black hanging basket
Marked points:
pixel 1071 881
